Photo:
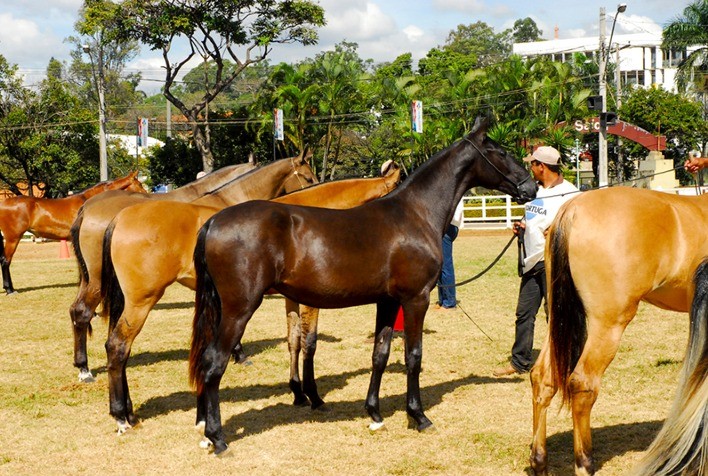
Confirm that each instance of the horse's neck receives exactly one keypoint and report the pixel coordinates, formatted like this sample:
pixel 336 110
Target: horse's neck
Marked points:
pixel 437 187
pixel 93 191
pixel 262 184
pixel 199 188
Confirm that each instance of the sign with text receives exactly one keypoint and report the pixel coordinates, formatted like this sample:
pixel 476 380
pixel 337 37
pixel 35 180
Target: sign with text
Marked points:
pixel 417 116
pixel 278 124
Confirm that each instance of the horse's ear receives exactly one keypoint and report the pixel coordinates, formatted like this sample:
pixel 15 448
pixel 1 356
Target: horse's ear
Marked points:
pixel 480 127
pixel 388 167
pixel 306 155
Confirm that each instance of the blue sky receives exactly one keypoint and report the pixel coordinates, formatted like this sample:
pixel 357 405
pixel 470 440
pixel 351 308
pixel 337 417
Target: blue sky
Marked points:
pixel 32 31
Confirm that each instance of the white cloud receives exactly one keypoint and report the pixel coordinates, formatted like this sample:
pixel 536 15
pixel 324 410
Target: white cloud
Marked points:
pixel 21 40
pixel 461 5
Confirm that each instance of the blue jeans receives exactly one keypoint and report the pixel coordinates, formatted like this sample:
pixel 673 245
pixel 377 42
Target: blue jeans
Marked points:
pixel 446 283
pixel 532 293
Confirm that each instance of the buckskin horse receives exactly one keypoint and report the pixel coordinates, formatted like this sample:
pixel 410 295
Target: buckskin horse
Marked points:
pixel 268 181
pixel 138 269
pixel 49 218
pixel 644 246
pixel 387 252
pixel 87 239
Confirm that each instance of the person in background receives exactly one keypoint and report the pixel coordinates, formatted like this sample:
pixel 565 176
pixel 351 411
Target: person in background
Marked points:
pixel 553 192
pixel 447 297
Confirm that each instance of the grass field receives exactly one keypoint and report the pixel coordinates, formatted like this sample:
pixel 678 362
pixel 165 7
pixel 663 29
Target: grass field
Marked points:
pixel 52 424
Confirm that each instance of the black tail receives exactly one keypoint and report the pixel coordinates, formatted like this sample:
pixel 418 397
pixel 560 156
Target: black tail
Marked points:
pixel 567 320
pixel 207 312
pixel 75 229
pixel 681 447
pixel 112 297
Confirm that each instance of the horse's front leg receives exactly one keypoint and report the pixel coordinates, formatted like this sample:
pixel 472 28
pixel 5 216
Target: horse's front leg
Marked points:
pixel 385 317
pixel 413 319
pixel 292 312
pixel 308 318
pixel 543 392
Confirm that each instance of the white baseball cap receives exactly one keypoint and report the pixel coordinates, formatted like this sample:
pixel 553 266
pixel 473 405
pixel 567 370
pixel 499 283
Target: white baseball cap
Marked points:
pixel 545 154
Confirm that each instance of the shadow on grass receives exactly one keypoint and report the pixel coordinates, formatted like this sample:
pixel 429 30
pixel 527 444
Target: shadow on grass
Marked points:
pixel 608 442
pixel 252 348
pixel 47 286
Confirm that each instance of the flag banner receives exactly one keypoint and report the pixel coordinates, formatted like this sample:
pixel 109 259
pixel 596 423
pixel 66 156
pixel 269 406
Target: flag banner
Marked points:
pixel 278 124
pixel 417 116
pixel 143 132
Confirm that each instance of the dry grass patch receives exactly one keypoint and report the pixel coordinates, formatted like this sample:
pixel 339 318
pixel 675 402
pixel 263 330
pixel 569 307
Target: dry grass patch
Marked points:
pixel 51 424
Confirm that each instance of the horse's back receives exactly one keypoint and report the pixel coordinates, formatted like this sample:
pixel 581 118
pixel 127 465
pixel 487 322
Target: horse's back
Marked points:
pixel 347 257
pixel 641 244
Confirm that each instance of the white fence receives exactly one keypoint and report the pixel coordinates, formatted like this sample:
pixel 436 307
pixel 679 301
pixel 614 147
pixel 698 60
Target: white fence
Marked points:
pixel 498 212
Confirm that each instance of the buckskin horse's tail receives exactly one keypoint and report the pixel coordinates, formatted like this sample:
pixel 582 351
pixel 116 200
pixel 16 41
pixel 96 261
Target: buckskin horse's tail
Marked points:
pixel 207 312
pixel 567 325
pixel 76 245
pixel 112 298
pixel 681 447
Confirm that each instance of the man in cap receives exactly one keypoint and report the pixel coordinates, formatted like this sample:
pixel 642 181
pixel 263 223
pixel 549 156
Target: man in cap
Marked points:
pixel 553 191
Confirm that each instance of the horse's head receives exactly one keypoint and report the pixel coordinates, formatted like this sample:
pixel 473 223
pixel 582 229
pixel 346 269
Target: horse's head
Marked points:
pixel 132 183
pixel 496 168
pixel 302 175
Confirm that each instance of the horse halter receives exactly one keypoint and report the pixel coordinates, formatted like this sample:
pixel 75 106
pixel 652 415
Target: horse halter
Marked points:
pixel 296 173
pixel 503 175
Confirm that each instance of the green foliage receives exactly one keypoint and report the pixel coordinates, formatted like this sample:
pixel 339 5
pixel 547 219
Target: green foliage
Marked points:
pixel 525 30
pixel 690 30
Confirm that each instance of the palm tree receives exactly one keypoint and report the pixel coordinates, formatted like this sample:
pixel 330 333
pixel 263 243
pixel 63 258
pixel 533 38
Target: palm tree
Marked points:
pixel 686 31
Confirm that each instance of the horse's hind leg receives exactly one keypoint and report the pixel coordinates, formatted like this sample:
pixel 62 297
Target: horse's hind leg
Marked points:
pixel 385 317
pixel 5 261
pixel 292 311
pixel 81 312
pixel 584 383
pixel 543 392
pixel 309 317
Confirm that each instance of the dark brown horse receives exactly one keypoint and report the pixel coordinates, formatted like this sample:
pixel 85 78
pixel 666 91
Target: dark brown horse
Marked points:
pixel 387 252
pixel 138 267
pixel 87 239
pixel 607 251
pixel 49 218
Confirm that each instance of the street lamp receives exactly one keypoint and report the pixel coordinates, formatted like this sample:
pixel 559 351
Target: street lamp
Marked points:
pixel 98 77
pixel 604 54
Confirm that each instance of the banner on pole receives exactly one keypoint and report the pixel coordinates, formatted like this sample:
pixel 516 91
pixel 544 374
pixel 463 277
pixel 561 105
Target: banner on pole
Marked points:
pixel 143 132
pixel 417 116
pixel 278 124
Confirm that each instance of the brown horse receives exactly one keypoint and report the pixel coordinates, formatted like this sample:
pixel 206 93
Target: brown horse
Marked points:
pixel 681 447
pixel 388 252
pixel 137 272
pixel 645 246
pixel 87 239
pixel 49 218
pixel 268 181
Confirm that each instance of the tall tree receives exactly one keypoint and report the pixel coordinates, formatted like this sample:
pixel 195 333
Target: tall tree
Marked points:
pixel 690 30
pixel 214 31
pixel 525 30
pixel 480 40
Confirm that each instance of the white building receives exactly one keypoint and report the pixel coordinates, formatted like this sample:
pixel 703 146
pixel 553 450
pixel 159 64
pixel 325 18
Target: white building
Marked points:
pixel 642 61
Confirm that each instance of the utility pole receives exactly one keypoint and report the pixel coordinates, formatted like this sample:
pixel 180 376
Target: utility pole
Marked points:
pixel 602 138
pixel 618 87
pixel 99 79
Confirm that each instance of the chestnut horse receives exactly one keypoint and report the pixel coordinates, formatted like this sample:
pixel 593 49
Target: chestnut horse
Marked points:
pixel 388 252
pixel 268 181
pixel 137 272
pixel 87 239
pixel 645 246
pixel 49 218
pixel 681 447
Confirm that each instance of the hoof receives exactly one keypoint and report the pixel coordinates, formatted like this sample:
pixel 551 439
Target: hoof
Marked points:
pixel 321 408
pixel 123 426
pixel 375 427
pixel 426 426
pixel 205 444
pixel 221 449
pixel 301 402
pixel 199 427
pixel 85 376
pixel 10 293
